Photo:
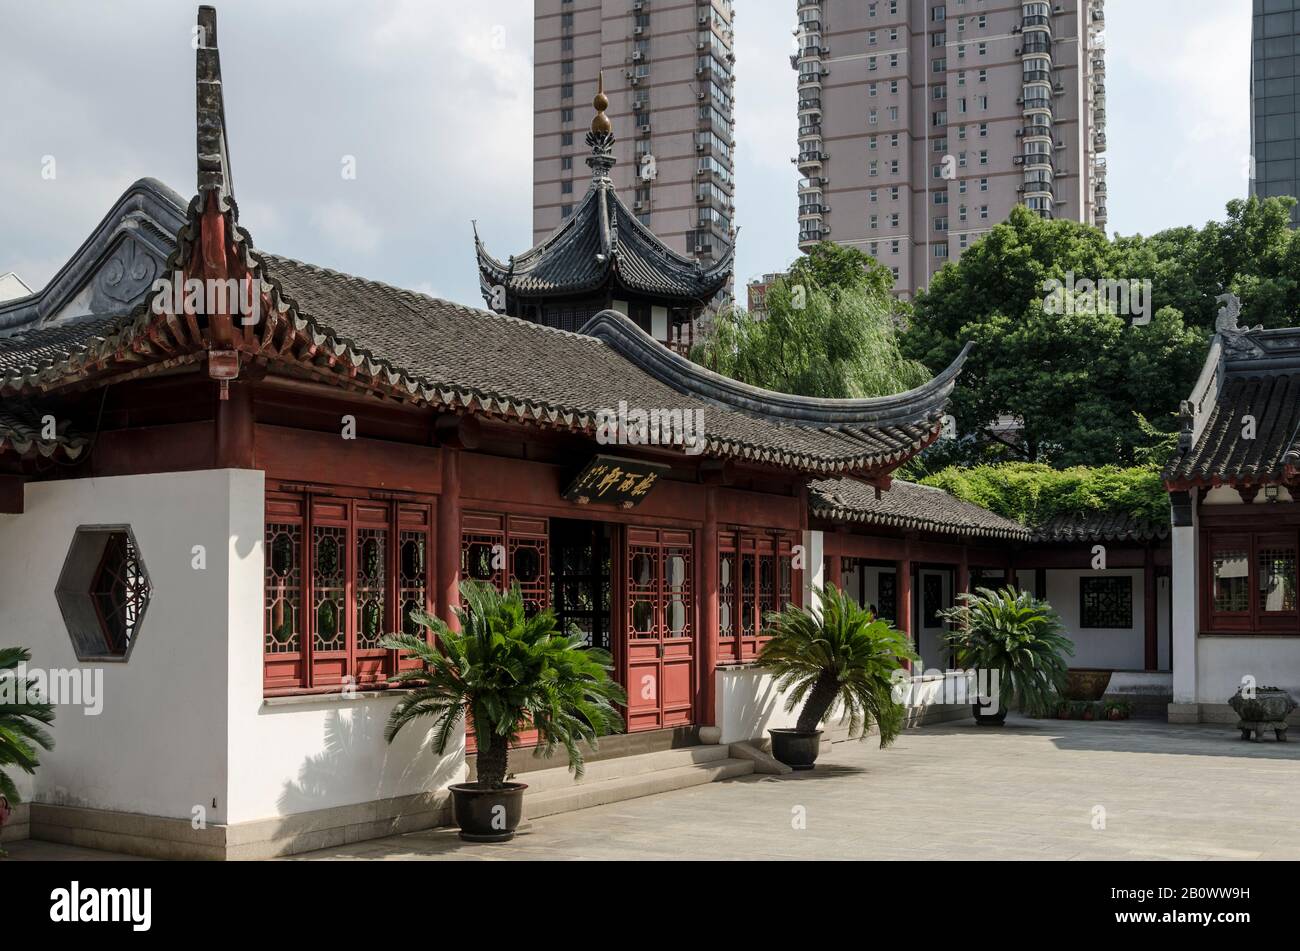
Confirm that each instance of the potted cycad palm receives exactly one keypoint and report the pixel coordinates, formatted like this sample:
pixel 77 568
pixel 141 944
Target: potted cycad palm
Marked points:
pixel 505 672
pixel 1018 637
pixel 23 718
pixel 839 655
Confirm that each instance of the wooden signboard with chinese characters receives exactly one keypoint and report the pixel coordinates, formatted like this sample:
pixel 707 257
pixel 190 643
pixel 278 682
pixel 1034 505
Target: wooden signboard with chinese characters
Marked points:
pixel 614 481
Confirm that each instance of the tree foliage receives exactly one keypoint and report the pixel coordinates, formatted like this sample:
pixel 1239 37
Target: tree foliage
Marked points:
pixel 829 330
pixel 1034 493
pixel 1081 379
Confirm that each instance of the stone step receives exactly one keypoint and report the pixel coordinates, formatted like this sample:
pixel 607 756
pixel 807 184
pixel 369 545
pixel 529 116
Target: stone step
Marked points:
pixel 559 777
pixel 586 794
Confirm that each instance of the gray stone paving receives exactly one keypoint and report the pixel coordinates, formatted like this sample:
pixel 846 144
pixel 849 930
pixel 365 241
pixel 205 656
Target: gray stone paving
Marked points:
pixel 1031 790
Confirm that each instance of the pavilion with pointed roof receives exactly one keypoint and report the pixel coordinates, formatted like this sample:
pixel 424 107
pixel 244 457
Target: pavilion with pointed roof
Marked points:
pixel 602 257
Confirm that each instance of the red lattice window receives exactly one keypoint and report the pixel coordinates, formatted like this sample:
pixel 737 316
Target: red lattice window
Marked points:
pixel 340 574
pixel 1250 582
pixel 756 576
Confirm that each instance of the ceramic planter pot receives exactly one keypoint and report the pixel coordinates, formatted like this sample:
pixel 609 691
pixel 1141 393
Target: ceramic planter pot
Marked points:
pixel 485 814
pixel 1085 684
pixel 990 716
pixel 798 749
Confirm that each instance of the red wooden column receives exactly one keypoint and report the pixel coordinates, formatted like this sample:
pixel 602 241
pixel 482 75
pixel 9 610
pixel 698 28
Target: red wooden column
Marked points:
pixel 447 589
pixel 233 448
pixel 834 560
pixel 904 569
pixel 707 641
pixel 1149 606
pixel 963 573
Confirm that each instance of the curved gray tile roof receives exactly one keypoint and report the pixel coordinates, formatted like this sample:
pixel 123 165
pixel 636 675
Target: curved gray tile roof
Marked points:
pixel 602 241
pixel 907 505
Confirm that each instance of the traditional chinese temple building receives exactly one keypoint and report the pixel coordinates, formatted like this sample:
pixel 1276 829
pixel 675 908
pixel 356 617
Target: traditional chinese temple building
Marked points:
pixel 602 257
pixel 1236 522
pixel 223 504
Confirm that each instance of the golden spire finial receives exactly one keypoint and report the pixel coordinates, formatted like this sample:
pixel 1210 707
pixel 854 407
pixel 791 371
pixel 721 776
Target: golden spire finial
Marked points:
pixel 601 125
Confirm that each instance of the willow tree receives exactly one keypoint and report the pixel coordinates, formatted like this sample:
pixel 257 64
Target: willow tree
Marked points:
pixel 828 331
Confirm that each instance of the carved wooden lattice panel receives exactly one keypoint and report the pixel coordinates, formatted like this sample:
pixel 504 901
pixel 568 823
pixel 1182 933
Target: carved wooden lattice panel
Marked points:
pixel 1106 602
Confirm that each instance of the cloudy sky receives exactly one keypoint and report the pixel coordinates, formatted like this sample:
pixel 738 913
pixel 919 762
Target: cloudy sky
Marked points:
pixel 433 100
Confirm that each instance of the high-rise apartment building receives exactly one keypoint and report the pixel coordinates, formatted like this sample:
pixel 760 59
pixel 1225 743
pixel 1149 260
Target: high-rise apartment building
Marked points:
pixel 667 68
pixel 1274 115
pixel 922 123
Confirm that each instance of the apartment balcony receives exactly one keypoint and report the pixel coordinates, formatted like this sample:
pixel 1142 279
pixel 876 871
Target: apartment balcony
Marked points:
pixel 1036 24
pixel 1099 16
pixel 812 211
pixel 1037 76
pixel 1099 142
pixel 809 162
pixel 810 107
pixel 1036 43
pixel 808 237
pixel 810 82
pixel 1037 104
pixel 812 129
pixel 1035 188
pixel 1099 65
pixel 809 186
pixel 1034 132
pixel 1035 159
pixel 811 25
pixel 1099 187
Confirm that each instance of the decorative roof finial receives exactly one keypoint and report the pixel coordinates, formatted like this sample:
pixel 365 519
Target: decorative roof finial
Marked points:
pixel 601 125
pixel 601 137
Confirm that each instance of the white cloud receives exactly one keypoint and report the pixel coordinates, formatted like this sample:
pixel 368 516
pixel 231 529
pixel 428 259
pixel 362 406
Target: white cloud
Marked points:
pixel 346 228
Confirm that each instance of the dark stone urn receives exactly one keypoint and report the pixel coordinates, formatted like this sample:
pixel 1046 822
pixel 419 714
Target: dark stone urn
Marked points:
pixel 798 749
pixel 1267 709
pixel 485 814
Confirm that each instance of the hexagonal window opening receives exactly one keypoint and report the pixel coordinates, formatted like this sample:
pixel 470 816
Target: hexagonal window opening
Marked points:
pixel 103 591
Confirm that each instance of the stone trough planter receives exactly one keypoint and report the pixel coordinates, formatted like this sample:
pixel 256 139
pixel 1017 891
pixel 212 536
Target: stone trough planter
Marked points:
pixel 1266 710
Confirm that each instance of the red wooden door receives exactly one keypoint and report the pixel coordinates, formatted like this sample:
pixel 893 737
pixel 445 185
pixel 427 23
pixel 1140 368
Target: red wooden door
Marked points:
pixel 659 605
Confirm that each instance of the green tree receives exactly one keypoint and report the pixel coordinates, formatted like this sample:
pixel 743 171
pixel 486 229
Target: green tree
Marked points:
pixel 830 329
pixel 1079 382
pixel 829 265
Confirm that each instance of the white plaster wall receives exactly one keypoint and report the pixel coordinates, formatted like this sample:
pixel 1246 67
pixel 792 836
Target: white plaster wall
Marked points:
pixel 1116 648
pixel 748 704
pixel 1182 540
pixel 287 759
pixel 158 746
pixel 1223 661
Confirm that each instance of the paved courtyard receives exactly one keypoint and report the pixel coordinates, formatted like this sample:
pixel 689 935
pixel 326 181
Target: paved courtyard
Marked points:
pixel 1036 789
